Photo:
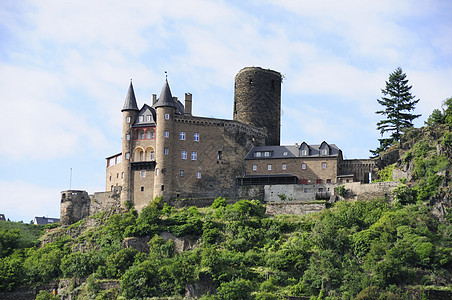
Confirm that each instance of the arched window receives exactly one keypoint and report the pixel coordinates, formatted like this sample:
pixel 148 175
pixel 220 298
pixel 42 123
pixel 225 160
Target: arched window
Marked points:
pixel 139 154
pixel 150 155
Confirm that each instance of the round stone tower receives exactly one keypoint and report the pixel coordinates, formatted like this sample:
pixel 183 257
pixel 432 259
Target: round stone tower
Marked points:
pixel 129 115
pixel 165 109
pixel 257 101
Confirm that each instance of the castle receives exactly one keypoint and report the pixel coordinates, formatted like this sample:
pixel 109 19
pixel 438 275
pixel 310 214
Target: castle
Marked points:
pixel 169 152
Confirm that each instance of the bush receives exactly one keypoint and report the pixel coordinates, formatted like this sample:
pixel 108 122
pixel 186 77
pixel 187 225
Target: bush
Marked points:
pixel 403 194
pixel 238 289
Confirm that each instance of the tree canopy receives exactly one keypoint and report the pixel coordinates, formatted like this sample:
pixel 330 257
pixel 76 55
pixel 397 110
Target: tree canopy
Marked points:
pixel 398 106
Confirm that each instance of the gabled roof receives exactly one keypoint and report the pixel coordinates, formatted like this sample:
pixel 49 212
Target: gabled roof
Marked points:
pixel 165 99
pixel 45 221
pixel 130 103
pixel 291 151
pixel 145 111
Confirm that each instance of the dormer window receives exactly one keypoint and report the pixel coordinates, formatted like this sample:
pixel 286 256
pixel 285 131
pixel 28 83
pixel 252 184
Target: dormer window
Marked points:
pixel 267 153
pixel 324 151
pixel 285 154
pixel 148 118
pixel 304 152
pixel 257 154
pixel 140 119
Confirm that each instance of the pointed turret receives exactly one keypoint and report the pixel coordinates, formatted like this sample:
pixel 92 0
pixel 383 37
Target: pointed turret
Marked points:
pixel 166 99
pixel 130 103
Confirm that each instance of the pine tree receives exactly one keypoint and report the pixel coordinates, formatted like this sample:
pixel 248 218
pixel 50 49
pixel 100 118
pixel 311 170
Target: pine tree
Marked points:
pixel 398 103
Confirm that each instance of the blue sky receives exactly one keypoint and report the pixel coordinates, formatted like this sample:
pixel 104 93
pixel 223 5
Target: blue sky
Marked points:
pixel 65 67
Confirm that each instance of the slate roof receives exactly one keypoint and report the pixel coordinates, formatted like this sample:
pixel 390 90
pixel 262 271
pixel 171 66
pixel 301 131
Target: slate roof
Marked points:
pixel 130 103
pixel 291 152
pixel 146 110
pixel 165 99
pixel 45 221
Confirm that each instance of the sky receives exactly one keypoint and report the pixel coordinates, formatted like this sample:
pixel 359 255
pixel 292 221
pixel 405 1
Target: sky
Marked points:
pixel 65 67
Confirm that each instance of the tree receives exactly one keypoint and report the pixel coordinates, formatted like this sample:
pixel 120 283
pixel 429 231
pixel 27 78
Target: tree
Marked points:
pixel 398 104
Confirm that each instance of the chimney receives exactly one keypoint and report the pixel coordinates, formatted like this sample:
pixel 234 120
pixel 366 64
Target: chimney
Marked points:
pixel 188 102
pixel 154 98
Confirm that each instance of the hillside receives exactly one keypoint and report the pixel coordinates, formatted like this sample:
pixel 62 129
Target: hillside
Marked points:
pixel 377 249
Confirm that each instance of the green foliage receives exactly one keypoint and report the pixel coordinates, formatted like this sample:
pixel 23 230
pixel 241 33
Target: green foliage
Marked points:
pixel 341 191
pixel 117 263
pixel 44 295
pixel 237 289
pixel 219 202
pixel 398 104
pixel 245 254
pixel 80 264
pixel 435 118
pixel 403 194
pixel 385 174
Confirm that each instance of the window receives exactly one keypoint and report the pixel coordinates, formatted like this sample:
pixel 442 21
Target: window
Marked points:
pixel 324 151
pixel 183 154
pixel 153 135
pixel 182 173
pixel 254 167
pixel 304 152
pixel 219 155
pixel 165 151
pixel 127 155
pixel 148 134
pixel 166 116
pixel 196 137
pixel 284 166
pixel 119 159
pixel 148 118
pixel 117 175
pixel 142 188
pixel 143 173
pixel 140 118
pixel 257 154
pixel 127 137
pixel 328 181
pixel 111 161
pixel 122 175
pixel 194 155
pixel 127 120
pixel 269 167
pixel 182 136
pixel 324 165
pixel 305 190
pixel 284 153
pixel 318 181
pixel 157 172
pixel 303 166
pixel 166 134
pixel 198 175
pixel 320 190
pixel 267 154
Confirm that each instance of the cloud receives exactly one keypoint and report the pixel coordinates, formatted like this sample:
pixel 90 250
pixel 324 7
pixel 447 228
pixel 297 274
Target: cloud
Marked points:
pixel 22 201
pixel 34 120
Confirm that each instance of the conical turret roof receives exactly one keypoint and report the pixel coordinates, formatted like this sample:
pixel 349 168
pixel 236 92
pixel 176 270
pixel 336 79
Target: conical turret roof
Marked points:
pixel 166 99
pixel 130 103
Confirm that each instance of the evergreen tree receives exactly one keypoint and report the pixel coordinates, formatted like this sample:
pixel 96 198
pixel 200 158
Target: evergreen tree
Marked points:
pixel 398 103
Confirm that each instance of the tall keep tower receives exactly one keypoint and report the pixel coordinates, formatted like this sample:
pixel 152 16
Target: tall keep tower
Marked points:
pixel 129 115
pixel 257 101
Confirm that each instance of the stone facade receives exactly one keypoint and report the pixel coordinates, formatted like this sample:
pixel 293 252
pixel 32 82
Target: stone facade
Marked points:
pixel 257 101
